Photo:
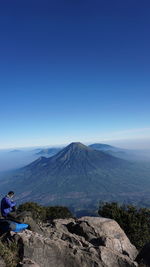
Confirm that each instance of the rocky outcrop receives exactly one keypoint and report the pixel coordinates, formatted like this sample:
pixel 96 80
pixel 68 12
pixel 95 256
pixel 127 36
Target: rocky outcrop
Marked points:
pixel 28 263
pixel 86 242
pixel 2 262
pixel 26 217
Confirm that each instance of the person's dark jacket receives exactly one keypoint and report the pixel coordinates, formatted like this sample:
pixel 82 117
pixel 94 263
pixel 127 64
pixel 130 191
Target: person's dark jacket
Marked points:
pixel 7 206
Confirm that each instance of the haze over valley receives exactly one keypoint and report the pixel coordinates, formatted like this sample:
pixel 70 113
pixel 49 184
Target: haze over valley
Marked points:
pixel 80 176
pixel 11 159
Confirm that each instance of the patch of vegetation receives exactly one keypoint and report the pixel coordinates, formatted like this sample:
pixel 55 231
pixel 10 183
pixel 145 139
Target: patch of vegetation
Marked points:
pixel 57 212
pixel 43 213
pixel 38 212
pixel 134 221
pixel 9 254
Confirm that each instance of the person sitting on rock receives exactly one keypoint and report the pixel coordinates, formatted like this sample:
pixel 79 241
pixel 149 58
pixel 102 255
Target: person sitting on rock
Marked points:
pixel 8 206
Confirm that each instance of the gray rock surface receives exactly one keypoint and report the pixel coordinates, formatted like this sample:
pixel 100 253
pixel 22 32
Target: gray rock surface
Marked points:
pixel 86 242
pixel 26 217
pixel 28 263
pixel 2 263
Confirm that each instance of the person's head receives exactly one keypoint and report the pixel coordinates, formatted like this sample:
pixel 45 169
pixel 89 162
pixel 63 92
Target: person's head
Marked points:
pixel 10 194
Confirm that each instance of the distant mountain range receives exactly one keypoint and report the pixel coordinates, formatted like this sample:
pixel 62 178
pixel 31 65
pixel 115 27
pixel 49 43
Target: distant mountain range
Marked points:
pixel 48 151
pixel 104 147
pixel 127 154
pixel 79 176
pixel 97 146
pixel 16 151
pixel 115 151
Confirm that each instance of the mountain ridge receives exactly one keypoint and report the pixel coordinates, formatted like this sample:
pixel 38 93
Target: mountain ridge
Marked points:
pixel 77 175
pixel 78 153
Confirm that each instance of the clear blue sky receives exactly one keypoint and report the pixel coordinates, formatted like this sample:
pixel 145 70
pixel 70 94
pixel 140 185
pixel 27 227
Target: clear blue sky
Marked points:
pixel 74 70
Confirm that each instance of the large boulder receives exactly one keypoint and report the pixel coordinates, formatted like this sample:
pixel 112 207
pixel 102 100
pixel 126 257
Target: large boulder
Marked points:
pixel 86 242
pixel 104 232
pixel 26 217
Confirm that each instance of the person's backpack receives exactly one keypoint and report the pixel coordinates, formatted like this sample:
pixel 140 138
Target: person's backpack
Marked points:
pixel 8 225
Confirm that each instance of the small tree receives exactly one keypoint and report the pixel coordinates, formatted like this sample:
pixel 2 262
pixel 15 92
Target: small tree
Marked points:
pixel 38 212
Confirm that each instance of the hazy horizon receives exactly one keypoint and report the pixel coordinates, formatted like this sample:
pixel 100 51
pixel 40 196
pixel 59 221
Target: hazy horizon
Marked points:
pixel 17 157
pixel 135 144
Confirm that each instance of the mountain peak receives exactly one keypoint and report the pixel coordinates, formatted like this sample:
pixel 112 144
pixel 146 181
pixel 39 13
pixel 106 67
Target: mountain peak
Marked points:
pixel 77 145
pixel 72 151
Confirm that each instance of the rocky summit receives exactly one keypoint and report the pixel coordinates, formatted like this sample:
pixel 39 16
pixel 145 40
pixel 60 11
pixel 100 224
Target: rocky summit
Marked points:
pixel 84 242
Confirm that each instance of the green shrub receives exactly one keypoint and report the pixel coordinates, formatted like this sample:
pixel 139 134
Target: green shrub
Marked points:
pixel 42 213
pixel 38 212
pixel 57 212
pixel 9 255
